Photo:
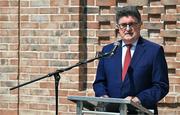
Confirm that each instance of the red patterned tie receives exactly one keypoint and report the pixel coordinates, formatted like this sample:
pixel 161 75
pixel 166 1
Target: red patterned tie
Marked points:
pixel 126 61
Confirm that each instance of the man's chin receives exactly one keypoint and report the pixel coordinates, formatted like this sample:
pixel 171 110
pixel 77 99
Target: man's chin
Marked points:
pixel 128 38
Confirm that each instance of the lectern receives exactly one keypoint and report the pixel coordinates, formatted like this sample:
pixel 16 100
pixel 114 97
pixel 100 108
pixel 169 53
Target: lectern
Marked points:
pixel 96 105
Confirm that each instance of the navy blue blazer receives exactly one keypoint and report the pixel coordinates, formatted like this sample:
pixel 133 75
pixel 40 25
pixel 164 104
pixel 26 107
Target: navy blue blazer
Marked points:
pixel 146 78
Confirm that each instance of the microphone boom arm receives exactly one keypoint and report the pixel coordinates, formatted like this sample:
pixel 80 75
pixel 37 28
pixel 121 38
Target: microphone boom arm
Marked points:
pixel 64 69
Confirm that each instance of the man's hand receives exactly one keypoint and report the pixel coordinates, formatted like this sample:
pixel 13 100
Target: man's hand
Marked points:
pixel 134 99
pixel 105 96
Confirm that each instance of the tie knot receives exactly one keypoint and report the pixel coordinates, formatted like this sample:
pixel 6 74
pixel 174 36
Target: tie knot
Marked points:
pixel 128 45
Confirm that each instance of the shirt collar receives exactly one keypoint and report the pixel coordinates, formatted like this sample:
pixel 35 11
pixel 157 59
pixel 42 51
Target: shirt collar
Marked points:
pixel 133 44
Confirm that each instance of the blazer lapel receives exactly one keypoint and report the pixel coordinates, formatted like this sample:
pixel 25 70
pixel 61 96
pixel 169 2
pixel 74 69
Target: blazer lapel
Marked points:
pixel 139 51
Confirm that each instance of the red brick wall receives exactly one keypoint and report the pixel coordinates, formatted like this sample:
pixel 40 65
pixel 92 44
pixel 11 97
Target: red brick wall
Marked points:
pixel 40 36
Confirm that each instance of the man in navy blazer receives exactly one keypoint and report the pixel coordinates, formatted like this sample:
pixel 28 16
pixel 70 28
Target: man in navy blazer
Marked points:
pixel 146 80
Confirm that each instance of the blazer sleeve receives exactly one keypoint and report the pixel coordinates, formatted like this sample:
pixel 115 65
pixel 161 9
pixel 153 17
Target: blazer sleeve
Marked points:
pixel 160 81
pixel 99 84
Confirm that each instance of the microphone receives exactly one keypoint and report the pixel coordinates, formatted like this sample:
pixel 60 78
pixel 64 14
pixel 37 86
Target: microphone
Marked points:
pixel 116 45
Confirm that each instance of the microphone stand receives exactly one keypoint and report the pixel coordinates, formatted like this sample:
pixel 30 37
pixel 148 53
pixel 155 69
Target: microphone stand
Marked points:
pixel 57 77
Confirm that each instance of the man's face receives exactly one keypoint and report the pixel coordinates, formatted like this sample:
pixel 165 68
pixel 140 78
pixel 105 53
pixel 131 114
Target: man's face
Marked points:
pixel 129 29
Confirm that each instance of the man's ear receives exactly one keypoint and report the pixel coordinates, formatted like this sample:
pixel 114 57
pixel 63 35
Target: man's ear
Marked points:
pixel 116 32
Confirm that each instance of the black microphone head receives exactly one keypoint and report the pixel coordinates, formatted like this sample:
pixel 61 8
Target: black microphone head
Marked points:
pixel 116 45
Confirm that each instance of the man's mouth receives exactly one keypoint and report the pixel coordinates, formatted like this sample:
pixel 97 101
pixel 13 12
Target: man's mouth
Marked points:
pixel 129 34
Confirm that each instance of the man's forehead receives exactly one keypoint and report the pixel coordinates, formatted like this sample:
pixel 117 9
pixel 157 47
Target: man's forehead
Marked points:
pixel 127 19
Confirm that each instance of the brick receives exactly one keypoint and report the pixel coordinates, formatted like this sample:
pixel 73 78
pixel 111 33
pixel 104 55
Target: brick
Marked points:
pixel 70 10
pixel 30 55
pixel 91 2
pixel 153 26
pixel 169 17
pixel 63 108
pixel 69 40
pixel 178 49
pixel 59 2
pixel 4 61
pixel 28 11
pixel 105 18
pixel 37 3
pixel 75 33
pixel 62 93
pixel 144 17
pixel 170 49
pixel 75 2
pixel 59 18
pixel 24 105
pixel 178 9
pixel 13 105
pixel 13 3
pixel 8 25
pixel 69 25
pixel 48 10
pixel 49 85
pixel 173 64
pixel 106 3
pixel 3 105
pixel 24 4
pixel 37 33
pixel 65 100
pixel 4 18
pixel 4 47
pixel 155 3
pixel 178 99
pixel 48 25
pixel 38 106
pixel 35 112
pixel 93 25
pixel 77 93
pixel 138 2
pixel 24 18
pixel 170 25
pixel 8 112
pixel 171 9
pixel 69 56
pixel 62 48
pixel 8 11
pixel 59 63
pixel 69 85
pixel 177 88
pixel 9 55
pixel 93 10
pixel 170 99
pixel 8 83
pixel 153 10
pixel 167 111
pixel 178 72
pixel 13 18
pixel 39 18
pixel 72 108
pixel 169 33
pixel 4 3
pixel 174 80
pixel 75 17
pixel 105 33
pixel 169 2
pixel 14 62
pixel 29 25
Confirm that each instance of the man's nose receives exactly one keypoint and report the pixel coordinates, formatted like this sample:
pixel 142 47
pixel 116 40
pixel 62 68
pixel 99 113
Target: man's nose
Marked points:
pixel 128 27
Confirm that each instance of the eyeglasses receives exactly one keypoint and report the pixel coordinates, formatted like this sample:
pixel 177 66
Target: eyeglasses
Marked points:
pixel 127 26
